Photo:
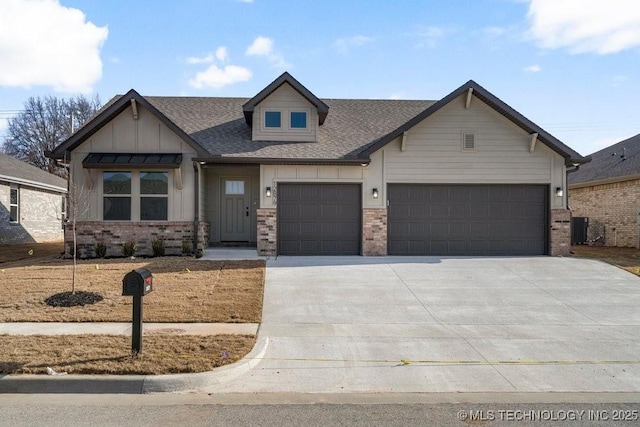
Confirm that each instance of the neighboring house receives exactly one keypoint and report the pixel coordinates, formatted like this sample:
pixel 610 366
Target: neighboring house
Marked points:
pixel 32 203
pixel 294 174
pixel 607 192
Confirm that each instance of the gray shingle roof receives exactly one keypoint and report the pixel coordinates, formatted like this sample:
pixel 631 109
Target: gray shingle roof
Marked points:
pixel 219 126
pixel 609 163
pixel 14 170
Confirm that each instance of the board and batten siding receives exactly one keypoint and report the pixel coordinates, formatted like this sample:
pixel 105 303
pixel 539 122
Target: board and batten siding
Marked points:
pixel 286 100
pixel 434 153
pixel 124 134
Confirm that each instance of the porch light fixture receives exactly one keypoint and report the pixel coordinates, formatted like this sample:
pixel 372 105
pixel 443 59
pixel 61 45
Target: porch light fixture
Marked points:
pixel 268 192
pixel 559 192
pixel 374 193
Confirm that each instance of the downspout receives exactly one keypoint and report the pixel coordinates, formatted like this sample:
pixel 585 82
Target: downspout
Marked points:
pixel 196 209
pixel 575 169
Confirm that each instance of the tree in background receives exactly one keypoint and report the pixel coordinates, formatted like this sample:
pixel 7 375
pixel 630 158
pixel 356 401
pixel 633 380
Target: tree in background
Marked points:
pixel 43 124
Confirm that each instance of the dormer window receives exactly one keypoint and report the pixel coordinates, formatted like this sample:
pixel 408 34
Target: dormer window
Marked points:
pixel 272 119
pixel 298 120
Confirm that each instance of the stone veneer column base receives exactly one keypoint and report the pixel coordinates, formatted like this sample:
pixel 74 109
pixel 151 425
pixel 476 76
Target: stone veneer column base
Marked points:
pixel 374 232
pixel 267 219
pixel 560 233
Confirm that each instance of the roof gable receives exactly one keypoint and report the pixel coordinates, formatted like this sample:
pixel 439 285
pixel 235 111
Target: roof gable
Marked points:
pixel 617 162
pixel 249 106
pixel 570 156
pixel 113 109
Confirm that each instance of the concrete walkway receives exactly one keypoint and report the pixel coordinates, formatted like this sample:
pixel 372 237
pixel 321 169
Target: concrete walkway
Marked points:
pixel 76 328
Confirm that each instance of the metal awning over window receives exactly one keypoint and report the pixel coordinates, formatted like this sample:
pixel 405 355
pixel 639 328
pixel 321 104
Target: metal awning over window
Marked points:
pixel 132 160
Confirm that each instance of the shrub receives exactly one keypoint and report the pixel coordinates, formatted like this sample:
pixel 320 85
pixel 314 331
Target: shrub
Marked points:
pixel 186 247
pixel 129 248
pixel 158 246
pixel 101 250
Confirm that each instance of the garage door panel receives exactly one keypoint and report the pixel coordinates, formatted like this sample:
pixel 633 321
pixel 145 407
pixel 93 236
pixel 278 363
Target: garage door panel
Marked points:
pixel 319 219
pixel 467 219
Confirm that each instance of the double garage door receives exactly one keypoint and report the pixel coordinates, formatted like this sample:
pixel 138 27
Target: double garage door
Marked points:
pixel 325 219
pixel 467 219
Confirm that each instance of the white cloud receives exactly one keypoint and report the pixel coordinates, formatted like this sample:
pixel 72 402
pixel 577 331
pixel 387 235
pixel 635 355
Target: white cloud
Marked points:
pixel 344 44
pixel 244 1
pixel 263 46
pixel 533 68
pixel 45 43
pixel 216 78
pixel 582 26
pixel 222 54
pixel 194 60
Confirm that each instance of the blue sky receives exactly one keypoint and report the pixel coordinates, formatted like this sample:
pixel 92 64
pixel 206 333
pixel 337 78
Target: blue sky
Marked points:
pixel 571 66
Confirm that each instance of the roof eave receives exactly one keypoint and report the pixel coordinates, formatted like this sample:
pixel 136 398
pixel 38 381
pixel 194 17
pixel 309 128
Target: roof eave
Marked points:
pixel 281 161
pixel 31 183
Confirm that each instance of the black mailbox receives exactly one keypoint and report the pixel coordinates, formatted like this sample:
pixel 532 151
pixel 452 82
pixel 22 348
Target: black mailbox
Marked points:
pixel 137 282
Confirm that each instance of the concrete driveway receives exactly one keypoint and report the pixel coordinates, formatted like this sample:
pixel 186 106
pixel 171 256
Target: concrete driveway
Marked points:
pixel 428 324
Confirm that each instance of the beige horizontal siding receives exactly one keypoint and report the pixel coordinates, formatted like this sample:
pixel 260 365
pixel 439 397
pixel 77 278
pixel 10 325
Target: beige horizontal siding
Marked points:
pixel 434 150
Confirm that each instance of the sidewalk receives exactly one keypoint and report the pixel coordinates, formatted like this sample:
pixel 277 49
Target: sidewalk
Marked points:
pixel 130 384
pixel 80 328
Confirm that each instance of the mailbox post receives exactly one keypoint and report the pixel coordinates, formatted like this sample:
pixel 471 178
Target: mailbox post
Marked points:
pixel 137 283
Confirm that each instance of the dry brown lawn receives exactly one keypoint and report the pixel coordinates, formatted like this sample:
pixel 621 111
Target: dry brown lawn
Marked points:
pixel 107 354
pixel 184 289
pixel 627 258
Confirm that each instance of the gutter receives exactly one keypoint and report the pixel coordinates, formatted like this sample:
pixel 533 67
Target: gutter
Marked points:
pixel 576 166
pixel 280 161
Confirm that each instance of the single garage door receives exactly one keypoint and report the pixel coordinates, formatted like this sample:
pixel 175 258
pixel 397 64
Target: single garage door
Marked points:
pixel 319 219
pixel 467 219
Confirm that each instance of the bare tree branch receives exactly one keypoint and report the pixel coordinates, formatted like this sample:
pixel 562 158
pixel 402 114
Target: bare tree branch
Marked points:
pixel 44 124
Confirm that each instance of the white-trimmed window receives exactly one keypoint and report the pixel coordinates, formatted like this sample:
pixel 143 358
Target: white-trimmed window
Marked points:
pixel 298 120
pixel 14 204
pixel 272 119
pixel 116 190
pixel 154 196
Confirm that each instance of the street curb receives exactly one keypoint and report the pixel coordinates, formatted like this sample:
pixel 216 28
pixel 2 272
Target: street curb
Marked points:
pixel 133 384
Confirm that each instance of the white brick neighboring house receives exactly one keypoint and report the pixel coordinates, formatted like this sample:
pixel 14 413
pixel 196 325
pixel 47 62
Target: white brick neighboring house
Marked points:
pixel 292 174
pixel 607 192
pixel 31 203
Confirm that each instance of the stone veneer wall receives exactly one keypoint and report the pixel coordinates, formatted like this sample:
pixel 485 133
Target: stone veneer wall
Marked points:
pixel 267 232
pixel 612 210
pixel 560 233
pixel 114 234
pixel 40 213
pixel 374 232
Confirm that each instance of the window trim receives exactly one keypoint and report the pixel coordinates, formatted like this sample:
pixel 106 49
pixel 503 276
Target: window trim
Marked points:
pixel 136 196
pixel 123 195
pixel 16 188
pixel 266 126
pixel 154 195
pixel 306 120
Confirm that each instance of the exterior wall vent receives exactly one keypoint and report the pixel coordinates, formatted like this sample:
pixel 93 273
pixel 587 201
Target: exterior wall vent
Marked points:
pixel 468 141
